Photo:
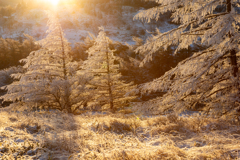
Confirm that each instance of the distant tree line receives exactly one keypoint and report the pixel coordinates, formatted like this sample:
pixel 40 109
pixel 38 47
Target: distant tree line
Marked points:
pixel 112 6
pixel 11 51
pixel 133 3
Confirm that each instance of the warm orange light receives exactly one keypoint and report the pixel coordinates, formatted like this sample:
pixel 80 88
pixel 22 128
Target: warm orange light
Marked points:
pixel 54 2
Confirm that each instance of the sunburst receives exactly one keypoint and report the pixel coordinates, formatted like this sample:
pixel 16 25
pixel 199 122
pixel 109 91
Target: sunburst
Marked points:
pixel 54 2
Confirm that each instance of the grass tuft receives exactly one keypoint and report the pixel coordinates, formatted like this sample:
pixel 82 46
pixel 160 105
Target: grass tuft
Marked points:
pixel 57 135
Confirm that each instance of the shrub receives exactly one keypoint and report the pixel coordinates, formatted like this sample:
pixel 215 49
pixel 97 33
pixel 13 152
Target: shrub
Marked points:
pixel 66 24
pixel 142 32
pixel 6 75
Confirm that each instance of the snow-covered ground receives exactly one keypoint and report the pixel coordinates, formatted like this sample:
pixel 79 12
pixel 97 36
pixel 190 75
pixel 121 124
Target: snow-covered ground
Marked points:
pixel 55 135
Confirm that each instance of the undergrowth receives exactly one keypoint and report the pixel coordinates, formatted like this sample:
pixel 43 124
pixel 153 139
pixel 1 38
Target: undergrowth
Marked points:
pixel 57 135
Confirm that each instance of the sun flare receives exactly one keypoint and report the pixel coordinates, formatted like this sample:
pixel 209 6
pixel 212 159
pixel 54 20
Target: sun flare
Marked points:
pixel 54 2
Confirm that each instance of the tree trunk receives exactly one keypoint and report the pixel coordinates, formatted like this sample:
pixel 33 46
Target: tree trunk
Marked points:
pixel 67 94
pixel 233 56
pixel 234 62
pixel 109 84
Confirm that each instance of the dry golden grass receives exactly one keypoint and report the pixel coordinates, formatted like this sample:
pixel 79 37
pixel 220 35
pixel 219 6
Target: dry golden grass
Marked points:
pixel 56 135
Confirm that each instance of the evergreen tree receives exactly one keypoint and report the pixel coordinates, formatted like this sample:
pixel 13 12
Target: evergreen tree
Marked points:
pixel 4 56
pixel 11 51
pixel 101 64
pixel 51 78
pixel 209 78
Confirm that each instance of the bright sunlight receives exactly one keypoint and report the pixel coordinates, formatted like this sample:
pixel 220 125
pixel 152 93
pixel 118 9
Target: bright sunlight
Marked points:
pixel 54 2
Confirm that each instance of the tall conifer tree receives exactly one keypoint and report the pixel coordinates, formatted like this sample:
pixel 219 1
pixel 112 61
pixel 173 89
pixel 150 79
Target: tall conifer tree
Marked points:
pixel 51 78
pixel 209 78
pixel 101 64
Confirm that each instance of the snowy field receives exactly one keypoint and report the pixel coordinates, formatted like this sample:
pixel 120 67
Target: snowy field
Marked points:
pixel 55 135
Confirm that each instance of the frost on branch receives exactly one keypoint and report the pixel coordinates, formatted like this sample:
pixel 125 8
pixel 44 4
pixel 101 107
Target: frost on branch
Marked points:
pixel 51 79
pixel 103 68
pixel 210 78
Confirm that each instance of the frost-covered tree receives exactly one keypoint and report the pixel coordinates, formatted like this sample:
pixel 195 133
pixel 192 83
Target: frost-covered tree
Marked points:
pixel 51 78
pixel 209 78
pixel 101 64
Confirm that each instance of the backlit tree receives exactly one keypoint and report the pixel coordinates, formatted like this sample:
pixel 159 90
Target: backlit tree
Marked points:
pixel 52 79
pixel 209 78
pixel 102 66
